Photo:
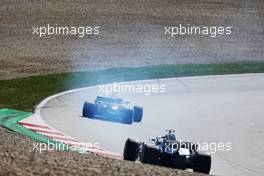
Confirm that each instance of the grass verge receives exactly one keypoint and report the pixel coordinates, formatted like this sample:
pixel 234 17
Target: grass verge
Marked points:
pixel 25 93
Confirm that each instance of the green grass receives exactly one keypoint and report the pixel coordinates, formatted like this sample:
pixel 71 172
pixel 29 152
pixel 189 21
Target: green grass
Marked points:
pixel 25 93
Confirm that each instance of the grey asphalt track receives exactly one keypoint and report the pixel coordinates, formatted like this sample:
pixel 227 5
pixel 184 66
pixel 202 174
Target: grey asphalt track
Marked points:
pixel 212 109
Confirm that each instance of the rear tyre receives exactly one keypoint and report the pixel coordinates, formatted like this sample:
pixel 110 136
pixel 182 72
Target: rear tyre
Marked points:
pixel 127 116
pixel 150 155
pixel 88 110
pixel 131 150
pixel 202 163
pixel 138 113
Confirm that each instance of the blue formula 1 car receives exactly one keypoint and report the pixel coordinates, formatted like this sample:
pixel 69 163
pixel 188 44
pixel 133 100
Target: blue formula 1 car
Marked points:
pixel 112 109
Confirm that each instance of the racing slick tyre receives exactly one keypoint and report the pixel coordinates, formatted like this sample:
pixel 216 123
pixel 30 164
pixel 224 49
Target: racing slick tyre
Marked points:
pixel 202 163
pixel 138 113
pixel 88 110
pixel 127 116
pixel 150 155
pixel 131 150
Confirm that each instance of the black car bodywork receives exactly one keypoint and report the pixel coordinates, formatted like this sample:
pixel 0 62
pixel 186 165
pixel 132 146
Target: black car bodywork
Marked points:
pixel 166 151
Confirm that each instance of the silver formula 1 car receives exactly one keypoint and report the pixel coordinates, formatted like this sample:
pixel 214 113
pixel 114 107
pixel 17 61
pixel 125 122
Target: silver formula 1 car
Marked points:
pixel 167 151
